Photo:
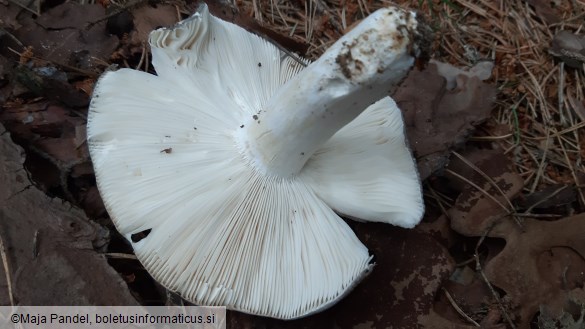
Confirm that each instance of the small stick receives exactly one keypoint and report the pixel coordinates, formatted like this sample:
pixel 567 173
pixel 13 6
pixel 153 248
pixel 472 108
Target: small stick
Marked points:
pixel 479 189
pixel 15 39
pixel 35 252
pixel 289 53
pixel 142 55
pixel 6 271
pixel 458 309
pixel 114 13
pixel 120 255
pixel 479 269
pixel 72 68
pixel 557 191
pixel 485 176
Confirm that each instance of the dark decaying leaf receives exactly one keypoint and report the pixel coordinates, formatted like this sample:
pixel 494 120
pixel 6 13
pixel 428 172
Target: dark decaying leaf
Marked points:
pixel 550 197
pixel 147 18
pixel 545 10
pixel 8 16
pixel 543 261
pixel 474 212
pixel 570 48
pixel 437 119
pixel 549 255
pixel 567 320
pixel 61 36
pixel 403 291
pixel 44 81
pixel 50 245
pixel 54 138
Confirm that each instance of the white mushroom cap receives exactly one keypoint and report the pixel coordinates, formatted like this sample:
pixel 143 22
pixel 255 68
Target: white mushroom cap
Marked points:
pixel 174 154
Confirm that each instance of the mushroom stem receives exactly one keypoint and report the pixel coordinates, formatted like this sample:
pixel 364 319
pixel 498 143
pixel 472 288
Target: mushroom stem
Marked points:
pixel 358 70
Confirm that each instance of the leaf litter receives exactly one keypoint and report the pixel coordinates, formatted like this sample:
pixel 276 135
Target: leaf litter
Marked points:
pixel 503 201
pixel 48 246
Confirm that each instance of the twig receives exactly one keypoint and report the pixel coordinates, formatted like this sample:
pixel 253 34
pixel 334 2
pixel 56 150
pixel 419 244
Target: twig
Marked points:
pixel 114 13
pixel 479 269
pixel 284 50
pixel 15 39
pixel 439 201
pixel 323 7
pixel 571 168
pixel 458 309
pixel 72 68
pixel 485 176
pixel 120 255
pixel 26 7
pixel 540 170
pixel 142 55
pixel 35 251
pixel 557 191
pixel 509 211
pixel 6 271
pixel 531 215
pixel 562 132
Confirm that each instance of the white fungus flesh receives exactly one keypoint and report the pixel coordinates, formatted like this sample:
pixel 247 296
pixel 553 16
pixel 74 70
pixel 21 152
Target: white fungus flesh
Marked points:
pixel 225 161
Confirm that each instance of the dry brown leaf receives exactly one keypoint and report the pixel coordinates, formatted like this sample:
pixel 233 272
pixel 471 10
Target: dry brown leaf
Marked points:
pixel 541 266
pixel 54 137
pixel 26 55
pixel 147 18
pixel 474 212
pixel 60 35
pixel 86 86
pixel 8 15
pixel 51 83
pixel 542 263
pixel 549 197
pixel 50 245
pixel 452 74
pixel 438 120
pixel 93 204
pixel 545 11
pixel 570 48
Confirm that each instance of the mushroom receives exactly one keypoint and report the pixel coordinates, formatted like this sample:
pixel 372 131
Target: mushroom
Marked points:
pixel 228 168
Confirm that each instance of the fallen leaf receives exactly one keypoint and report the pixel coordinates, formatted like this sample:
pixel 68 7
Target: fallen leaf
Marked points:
pixel 49 82
pixel 61 33
pixel 474 212
pixel 438 120
pixel 50 245
pixel 569 48
pixel 452 74
pixel 566 320
pixel 8 15
pixel 549 255
pixel 545 11
pixel 148 18
pixel 54 137
pixel 93 204
pixel 549 197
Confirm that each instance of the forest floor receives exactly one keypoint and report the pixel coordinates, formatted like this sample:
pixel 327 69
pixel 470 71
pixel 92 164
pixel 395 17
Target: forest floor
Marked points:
pixel 496 121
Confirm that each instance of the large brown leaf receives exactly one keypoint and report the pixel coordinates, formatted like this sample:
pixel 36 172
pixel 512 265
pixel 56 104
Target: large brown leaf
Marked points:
pixel 50 245
pixel 542 264
pixel 438 119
